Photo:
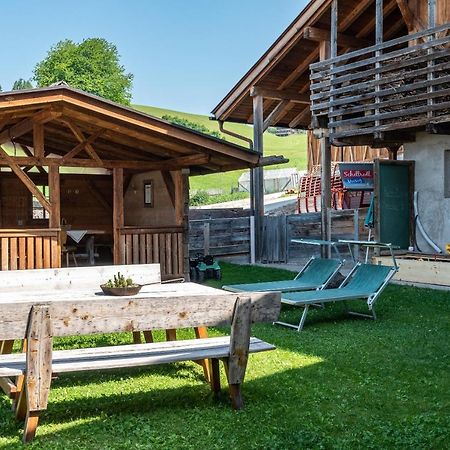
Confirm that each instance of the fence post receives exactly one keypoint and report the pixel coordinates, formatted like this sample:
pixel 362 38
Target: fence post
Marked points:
pixel 206 238
pixel 356 233
pixel 252 240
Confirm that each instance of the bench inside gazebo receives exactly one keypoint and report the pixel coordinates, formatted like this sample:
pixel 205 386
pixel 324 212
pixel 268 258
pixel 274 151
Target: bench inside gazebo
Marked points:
pixel 103 182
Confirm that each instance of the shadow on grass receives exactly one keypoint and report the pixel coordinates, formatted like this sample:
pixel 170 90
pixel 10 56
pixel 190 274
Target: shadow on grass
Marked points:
pixel 343 382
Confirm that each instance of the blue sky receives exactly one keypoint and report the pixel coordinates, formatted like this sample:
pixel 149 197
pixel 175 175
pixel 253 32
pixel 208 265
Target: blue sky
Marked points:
pixel 184 54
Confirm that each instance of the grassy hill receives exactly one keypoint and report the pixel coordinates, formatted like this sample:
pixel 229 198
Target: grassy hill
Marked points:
pixel 292 147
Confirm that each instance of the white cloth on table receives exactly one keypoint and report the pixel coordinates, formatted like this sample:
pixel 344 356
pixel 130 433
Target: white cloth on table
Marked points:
pixel 76 235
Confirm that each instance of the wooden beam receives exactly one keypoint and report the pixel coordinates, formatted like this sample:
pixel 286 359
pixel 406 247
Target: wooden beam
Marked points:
pixel 368 28
pixel 27 152
pixel 299 118
pixel 118 214
pixel 179 197
pixel 413 23
pixel 26 125
pixel 81 138
pixel 356 11
pixel 272 160
pixel 55 197
pixel 26 180
pixel 167 164
pixel 276 113
pixel 274 94
pixel 343 40
pixel 38 140
pixel 4 121
pixel 84 143
pixel 168 181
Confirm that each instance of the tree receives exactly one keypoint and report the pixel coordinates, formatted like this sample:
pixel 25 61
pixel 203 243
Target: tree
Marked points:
pixel 21 84
pixel 93 66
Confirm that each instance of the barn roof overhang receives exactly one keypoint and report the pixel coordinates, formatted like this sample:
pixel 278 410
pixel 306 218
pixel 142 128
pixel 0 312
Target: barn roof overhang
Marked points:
pixel 282 73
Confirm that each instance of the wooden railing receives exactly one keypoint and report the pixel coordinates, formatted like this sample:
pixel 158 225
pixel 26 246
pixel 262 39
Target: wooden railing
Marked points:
pixel 140 245
pixel 399 84
pixel 30 249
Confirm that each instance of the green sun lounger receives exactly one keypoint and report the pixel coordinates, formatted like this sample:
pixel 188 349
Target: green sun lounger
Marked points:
pixel 316 274
pixel 365 281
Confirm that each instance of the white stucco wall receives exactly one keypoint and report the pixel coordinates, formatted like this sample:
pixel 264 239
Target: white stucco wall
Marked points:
pixel 428 152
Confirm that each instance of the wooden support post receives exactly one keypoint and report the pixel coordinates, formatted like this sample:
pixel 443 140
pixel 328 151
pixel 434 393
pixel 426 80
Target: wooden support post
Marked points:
pixel 430 65
pixel 184 209
pixel 325 174
pixel 239 345
pixel 378 40
pixel 39 367
pixel 258 174
pixel 38 140
pixel 118 214
pixel 55 212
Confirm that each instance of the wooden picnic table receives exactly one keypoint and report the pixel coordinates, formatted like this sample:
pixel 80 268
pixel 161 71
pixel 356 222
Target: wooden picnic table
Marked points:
pixel 10 295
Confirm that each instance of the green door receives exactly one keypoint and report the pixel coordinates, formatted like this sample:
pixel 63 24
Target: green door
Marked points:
pixel 393 205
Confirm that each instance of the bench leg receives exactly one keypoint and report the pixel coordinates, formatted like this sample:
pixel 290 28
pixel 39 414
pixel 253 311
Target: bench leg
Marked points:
pixel 20 404
pixel 31 423
pixel 6 347
pixel 236 396
pixel 137 337
pixel 202 333
pixel 171 334
pixel 148 337
pixel 235 389
pixel 214 373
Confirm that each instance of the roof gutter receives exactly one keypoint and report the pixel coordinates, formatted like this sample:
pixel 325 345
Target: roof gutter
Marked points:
pixel 235 135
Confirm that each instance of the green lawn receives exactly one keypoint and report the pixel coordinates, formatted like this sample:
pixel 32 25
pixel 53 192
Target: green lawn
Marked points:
pixel 292 147
pixel 342 383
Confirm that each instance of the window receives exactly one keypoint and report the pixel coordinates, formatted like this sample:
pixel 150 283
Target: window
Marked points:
pixel 447 174
pixel 148 193
pixel 38 211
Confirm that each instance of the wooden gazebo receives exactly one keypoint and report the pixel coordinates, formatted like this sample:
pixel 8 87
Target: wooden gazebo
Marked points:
pixel 94 164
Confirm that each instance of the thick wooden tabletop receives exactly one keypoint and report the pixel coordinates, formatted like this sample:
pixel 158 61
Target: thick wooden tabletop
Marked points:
pixel 42 295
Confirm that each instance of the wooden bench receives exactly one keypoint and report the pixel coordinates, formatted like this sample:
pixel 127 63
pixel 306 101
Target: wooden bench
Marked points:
pixel 39 320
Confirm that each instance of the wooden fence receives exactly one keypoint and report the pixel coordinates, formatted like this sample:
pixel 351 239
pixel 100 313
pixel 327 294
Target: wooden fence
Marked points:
pixel 30 249
pixel 153 245
pixel 233 237
pixel 220 237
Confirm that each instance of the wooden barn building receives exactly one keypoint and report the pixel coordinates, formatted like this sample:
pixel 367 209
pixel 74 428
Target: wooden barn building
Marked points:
pixel 75 167
pixel 368 77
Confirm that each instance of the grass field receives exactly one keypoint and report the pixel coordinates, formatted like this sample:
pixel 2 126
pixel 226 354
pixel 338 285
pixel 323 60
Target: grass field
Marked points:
pixel 342 383
pixel 292 147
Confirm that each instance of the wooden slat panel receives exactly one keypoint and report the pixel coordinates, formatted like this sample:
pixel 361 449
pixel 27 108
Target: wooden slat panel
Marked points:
pixel 22 253
pixel 142 249
pixel 122 253
pixel 180 253
pixel 162 252
pixel 174 253
pixel 30 253
pixel 168 252
pixel 38 253
pixel 56 252
pixel 129 249
pixel 5 253
pixel 135 239
pixel 149 244
pixel 13 254
pixel 155 248
pixel 47 254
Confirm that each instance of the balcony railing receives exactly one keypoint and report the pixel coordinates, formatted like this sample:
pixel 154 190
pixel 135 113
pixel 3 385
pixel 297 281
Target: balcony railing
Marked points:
pixel 397 85
pixel 141 245
pixel 30 249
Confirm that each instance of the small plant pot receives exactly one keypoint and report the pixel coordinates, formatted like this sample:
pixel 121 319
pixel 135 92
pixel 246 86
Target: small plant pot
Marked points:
pixel 121 291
